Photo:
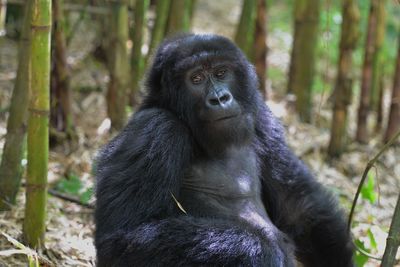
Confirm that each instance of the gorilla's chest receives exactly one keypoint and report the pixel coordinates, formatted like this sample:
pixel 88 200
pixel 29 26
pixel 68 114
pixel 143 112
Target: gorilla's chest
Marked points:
pixel 231 176
pixel 227 186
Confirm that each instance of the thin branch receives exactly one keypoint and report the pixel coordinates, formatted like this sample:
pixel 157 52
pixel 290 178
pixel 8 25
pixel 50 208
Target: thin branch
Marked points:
pixel 69 198
pixel 364 176
pixel 367 254
pixel 76 25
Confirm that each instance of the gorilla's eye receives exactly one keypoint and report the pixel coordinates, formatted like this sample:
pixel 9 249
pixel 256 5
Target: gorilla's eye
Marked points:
pixel 220 73
pixel 197 78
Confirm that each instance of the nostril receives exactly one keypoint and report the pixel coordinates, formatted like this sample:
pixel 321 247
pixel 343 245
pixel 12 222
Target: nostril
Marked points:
pixel 219 99
pixel 225 98
pixel 214 101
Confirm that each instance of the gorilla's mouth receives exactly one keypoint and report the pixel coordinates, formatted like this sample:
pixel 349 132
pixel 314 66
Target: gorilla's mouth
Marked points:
pixel 227 117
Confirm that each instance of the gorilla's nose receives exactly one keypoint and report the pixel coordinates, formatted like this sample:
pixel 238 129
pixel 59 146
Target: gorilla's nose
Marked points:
pixel 220 99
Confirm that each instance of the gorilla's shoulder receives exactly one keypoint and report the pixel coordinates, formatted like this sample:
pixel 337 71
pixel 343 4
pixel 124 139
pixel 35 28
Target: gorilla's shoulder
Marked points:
pixel 151 114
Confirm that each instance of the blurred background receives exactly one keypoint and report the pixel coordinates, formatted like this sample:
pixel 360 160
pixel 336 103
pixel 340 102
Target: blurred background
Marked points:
pixel 71 73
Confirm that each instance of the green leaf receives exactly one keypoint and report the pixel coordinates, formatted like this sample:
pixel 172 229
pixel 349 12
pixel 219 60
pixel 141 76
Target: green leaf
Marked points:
pixel 85 196
pixel 372 239
pixel 367 190
pixel 71 185
pixel 360 259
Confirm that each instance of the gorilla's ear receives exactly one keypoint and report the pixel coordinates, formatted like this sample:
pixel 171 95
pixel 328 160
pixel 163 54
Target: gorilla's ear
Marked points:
pixel 155 74
pixel 157 77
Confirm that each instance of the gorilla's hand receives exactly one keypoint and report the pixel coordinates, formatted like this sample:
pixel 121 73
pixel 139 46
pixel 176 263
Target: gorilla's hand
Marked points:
pixel 279 250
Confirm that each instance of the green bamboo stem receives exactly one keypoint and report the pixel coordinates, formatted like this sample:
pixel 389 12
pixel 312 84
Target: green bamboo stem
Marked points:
pixel 192 9
pixel 302 63
pixel 377 59
pixel 394 113
pixel 244 37
pixel 118 64
pixel 137 59
pixel 3 10
pixel 38 141
pixel 178 19
pixel 344 82
pixel 10 167
pixel 158 33
pixel 260 46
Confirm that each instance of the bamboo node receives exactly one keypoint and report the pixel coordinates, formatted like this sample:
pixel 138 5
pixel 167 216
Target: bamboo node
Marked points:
pixel 40 112
pixel 35 187
pixel 41 27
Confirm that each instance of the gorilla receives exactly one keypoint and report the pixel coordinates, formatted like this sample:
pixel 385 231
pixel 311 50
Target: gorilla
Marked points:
pixel 201 174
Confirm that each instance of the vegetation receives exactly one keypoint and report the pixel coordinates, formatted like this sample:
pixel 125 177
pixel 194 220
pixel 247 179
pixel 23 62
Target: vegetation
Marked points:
pixel 302 64
pixel 10 167
pixel 330 69
pixel 245 30
pixel 343 91
pixel 60 115
pixel 367 73
pixel 137 59
pixel 179 16
pixel 394 115
pixel 162 10
pixel 38 123
pixel 118 64
pixel 260 46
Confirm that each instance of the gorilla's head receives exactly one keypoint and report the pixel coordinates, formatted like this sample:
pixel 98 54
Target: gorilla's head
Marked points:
pixel 209 84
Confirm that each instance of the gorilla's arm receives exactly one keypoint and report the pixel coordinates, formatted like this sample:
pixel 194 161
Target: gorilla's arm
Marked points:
pixel 297 203
pixel 138 222
pixel 139 170
pixel 185 241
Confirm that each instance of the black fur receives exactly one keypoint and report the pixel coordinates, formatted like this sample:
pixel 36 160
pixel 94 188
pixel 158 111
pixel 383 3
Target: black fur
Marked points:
pixel 142 170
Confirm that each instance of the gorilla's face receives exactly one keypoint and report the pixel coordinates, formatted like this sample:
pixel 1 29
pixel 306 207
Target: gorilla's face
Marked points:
pixel 212 86
pixel 213 94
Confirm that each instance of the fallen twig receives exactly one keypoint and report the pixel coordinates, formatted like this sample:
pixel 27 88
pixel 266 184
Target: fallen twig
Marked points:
pixel 69 198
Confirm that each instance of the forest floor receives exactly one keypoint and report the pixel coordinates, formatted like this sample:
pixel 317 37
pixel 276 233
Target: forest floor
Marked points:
pixel 69 234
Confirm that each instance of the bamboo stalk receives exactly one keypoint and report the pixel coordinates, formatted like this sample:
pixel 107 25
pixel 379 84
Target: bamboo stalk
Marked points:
pixel 61 120
pixel 394 114
pixel 244 37
pixel 3 10
pixel 178 19
pixel 366 76
pixel 38 141
pixel 162 10
pixel 137 59
pixel 10 167
pixel 118 64
pixel 377 59
pixel 344 81
pixel 302 62
pixel 260 45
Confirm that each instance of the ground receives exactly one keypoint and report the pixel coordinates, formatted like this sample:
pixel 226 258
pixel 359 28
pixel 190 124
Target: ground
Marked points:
pixel 69 235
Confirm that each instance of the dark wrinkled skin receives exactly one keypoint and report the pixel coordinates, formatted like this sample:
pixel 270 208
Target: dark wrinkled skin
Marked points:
pixel 202 176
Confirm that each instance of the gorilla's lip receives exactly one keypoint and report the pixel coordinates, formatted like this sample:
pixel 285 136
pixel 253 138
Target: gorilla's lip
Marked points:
pixel 221 117
pixel 227 117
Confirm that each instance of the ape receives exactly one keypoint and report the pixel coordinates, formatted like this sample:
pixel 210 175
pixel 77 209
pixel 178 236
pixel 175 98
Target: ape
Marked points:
pixel 202 176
